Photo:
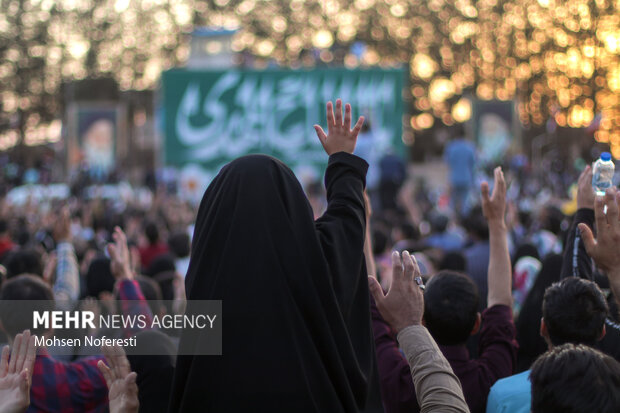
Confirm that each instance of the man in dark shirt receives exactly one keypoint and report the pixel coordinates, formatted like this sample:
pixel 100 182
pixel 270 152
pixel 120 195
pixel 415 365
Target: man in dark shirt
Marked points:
pixel 451 315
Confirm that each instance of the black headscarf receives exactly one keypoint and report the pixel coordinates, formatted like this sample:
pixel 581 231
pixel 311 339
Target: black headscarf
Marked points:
pixel 296 320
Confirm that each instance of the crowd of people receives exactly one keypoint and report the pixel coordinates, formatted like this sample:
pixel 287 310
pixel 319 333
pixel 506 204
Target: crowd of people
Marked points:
pixel 377 299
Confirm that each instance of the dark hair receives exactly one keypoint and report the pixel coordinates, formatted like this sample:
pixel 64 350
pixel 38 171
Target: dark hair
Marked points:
pixel 4 226
pixel 152 293
pixel 26 288
pixel 99 277
pixel 23 261
pixel 151 232
pixel 453 261
pixel 574 311
pixel 477 224
pixel 439 222
pixel 179 244
pixel 450 307
pixel 575 379
pixel 525 250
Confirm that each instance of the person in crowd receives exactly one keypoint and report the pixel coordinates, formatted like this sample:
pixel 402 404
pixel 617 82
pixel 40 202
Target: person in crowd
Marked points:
pixel 460 155
pixel 582 250
pixel 154 247
pixel 451 315
pixel 477 253
pixel 575 379
pixel 574 311
pixel 180 244
pixel 531 343
pixel 442 237
pixel 298 334
pixel 436 386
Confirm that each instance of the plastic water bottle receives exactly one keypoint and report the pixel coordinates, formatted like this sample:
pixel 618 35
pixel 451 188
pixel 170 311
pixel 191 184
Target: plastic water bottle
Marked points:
pixel 602 174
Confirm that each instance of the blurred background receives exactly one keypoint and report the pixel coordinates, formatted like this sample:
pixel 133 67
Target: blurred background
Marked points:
pixel 164 92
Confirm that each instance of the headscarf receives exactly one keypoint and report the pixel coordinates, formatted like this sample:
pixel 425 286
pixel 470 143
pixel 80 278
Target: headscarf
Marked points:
pixel 296 322
pixel 526 270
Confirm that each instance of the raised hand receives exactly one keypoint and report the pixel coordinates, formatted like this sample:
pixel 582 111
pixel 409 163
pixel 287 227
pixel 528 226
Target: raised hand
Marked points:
pixel 494 206
pixel 605 250
pixel 121 381
pixel 499 274
pixel 339 137
pixel 585 192
pixel 62 226
pixel 16 374
pixel 403 305
pixel 120 259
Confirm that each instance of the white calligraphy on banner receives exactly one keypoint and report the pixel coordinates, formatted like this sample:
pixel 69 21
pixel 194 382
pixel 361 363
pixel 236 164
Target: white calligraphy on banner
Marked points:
pixel 275 113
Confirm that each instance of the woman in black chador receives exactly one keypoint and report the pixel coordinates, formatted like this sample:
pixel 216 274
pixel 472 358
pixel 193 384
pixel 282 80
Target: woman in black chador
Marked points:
pixel 296 324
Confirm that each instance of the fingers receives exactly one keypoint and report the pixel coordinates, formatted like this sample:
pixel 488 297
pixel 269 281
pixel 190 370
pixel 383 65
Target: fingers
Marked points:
pixel 23 350
pixel 320 133
pixel 408 266
pixel 500 183
pixel 4 361
pixel 330 117
pixel 599 216
pixel 375 290
pixel 112 252
pixel 586 175
pixel 338 112
pixel 358 126
pixel 110 361
pixel 31 356
pixel 347 117
pixel 130 380
pixel 121 361
pixel 397 267
pixel 17 343
pixel 588 238
pixel 612 210
pixel 107 373
pixel 484 190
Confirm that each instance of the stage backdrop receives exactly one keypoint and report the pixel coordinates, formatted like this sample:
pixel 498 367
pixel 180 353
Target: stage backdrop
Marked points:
pixel 212 117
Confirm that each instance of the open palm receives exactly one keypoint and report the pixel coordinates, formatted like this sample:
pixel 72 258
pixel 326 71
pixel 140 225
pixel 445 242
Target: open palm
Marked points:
pixel 121 381
pixel 16 374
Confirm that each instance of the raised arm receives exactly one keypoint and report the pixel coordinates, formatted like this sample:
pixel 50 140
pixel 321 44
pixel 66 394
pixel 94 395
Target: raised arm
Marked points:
pixel 575 260
pixel 500 272
pixel 130 294
pixel 436 386
pixel 67 284
pixel 605 248
pixel 341 229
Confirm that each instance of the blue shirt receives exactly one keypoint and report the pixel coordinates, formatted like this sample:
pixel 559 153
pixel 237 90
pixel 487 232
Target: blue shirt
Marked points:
pixel 511 395
pixel 461 158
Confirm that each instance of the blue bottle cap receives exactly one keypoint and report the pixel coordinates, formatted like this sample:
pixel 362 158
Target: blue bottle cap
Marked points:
pixel 606 156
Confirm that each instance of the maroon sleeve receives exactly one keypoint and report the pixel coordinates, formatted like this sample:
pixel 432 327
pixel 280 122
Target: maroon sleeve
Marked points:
pixel 498 344
pixel 395 380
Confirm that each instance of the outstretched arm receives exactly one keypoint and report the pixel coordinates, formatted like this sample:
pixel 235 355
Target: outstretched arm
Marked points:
pixel 500 272
pixel 16 374
pixel 604 249
pixel 341 229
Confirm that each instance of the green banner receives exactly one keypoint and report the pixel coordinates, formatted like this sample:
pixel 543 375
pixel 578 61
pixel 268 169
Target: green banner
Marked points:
pixel 212 117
